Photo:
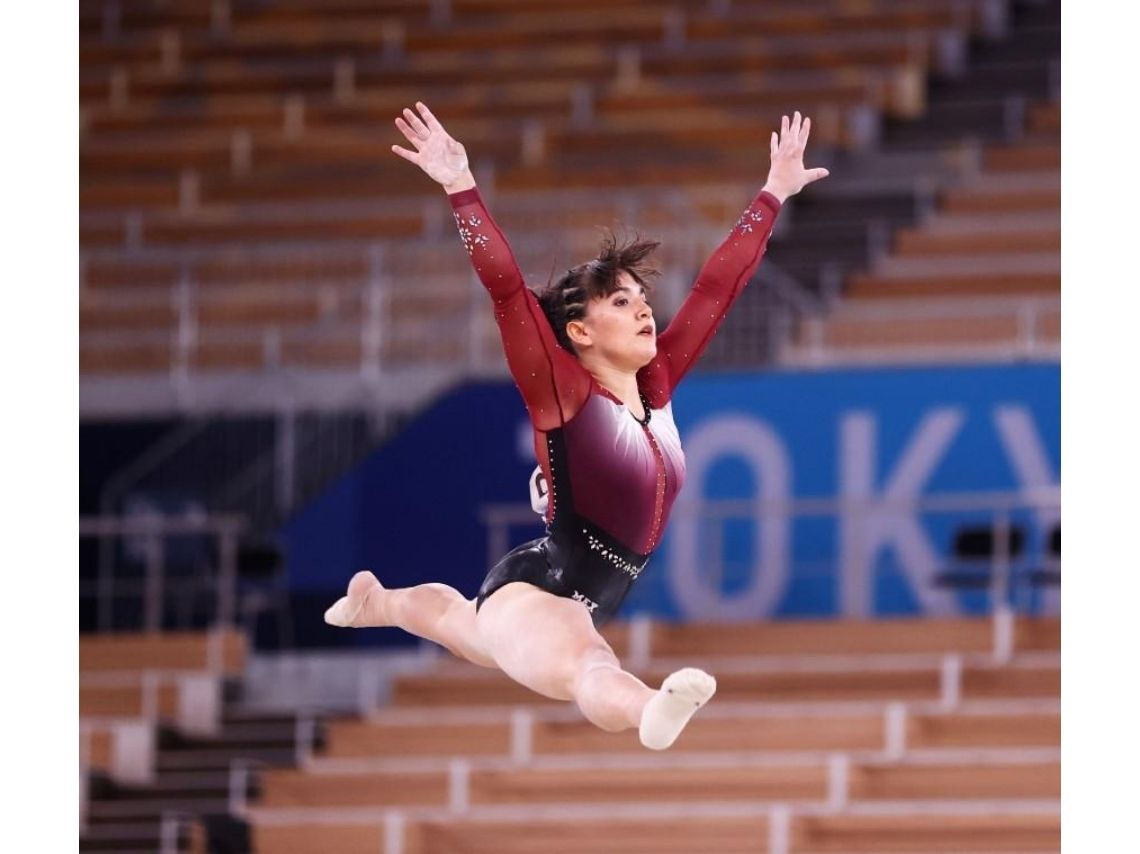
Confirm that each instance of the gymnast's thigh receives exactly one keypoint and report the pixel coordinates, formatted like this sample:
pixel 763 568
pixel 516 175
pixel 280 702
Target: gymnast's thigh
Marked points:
pixel 537 638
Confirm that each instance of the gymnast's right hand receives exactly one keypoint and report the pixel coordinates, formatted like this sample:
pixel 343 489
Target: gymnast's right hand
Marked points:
pixel 441 157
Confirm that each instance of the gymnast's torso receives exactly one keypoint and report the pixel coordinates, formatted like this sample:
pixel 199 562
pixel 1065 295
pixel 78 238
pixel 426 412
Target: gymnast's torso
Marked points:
pixel 612 478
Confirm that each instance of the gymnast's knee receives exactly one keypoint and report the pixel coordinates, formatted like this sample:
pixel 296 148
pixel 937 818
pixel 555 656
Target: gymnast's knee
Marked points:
pixel 597 656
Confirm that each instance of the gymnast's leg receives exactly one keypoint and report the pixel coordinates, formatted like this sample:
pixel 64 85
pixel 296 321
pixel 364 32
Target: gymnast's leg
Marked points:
pixel 433 611
pixel 550 645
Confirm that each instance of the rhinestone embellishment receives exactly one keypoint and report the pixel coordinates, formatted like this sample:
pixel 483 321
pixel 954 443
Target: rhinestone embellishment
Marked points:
pixel 746 220
pixel 470 238
pixel 609 554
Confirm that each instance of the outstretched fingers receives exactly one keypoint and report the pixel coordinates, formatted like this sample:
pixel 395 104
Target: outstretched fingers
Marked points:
pixel 428 116
pixel 409 133
pixel 416 124
pixel 410 156
pixel 811 175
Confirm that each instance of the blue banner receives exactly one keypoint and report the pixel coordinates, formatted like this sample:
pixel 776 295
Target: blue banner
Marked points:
pixel 808 493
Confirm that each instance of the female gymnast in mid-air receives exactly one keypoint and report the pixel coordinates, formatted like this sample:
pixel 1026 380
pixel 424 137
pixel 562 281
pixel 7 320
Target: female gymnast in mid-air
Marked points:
pixel 597 380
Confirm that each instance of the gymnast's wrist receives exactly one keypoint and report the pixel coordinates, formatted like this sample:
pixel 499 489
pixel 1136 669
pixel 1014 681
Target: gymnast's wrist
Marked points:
pixel 775 190
pixel 465 181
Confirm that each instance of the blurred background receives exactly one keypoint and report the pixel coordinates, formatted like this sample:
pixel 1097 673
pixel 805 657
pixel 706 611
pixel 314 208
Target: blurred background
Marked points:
pixel 288 373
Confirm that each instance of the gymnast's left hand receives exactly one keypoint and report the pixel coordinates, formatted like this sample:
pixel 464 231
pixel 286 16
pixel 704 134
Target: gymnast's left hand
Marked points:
pixel 787 175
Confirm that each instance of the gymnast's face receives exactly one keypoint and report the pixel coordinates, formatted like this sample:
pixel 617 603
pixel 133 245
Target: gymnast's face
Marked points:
pixel 618 328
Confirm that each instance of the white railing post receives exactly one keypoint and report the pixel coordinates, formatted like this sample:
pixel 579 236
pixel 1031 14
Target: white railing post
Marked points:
pixel 838 773
pixel 1003 641
pixel 459 785
pixel 186 331
pixel 950 677
pixel 779 829
pixel 368 688
pixel 305 736
pixel 238 786
pixel 393 833
pixel 155 569
pixel 168 833
pixel 1027 327
pixel 1000 586
pixel 895 722
pixel 522 735
pixel 640 641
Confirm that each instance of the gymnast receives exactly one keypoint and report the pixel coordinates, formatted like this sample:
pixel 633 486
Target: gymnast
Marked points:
pixel 597 379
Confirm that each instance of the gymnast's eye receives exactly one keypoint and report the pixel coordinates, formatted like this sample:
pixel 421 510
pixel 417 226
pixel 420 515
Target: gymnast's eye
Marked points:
pixel 620 301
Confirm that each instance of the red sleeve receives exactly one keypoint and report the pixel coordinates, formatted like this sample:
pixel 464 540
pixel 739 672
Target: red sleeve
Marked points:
pixel 719 283
pixel 553 383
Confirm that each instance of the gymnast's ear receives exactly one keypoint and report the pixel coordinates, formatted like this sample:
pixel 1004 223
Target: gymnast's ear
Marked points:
pixel 578 333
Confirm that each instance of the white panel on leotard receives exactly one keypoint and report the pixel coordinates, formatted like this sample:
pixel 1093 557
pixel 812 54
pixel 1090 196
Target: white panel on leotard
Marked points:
pixel 539 493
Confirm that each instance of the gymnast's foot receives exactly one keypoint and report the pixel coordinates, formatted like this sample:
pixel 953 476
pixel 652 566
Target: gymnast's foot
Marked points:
pixel 362 607
pixel 669 710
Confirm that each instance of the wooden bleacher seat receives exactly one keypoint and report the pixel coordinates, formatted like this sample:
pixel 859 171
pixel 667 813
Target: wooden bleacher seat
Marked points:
pixel 663 782
pixel 733 730
pixel 287 787
pixel 478 689
pixel 222 651
pixel 945 834
pixel 959 781
pixel 127 700
pixel 124 358
pixel 918 833
pixel 1045 118
pixel 653 785
pixel 826 637
pixel 921 242
pixel 956 729
pixel 848 334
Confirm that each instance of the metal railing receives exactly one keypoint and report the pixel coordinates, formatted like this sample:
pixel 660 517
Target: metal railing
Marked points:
pixel 1029 339
pixel 151 533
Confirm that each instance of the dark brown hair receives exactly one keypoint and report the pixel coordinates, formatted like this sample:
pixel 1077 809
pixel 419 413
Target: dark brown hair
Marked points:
pixel 566 299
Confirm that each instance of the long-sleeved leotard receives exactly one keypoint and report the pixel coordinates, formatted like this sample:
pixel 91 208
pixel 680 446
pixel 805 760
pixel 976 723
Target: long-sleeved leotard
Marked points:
pixel 612 479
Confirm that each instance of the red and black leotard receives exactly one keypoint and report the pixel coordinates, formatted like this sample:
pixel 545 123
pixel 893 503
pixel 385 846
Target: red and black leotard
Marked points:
pixel 612 479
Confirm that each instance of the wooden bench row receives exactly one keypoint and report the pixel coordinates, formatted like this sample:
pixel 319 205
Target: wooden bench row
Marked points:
pixel 917 832
pixel 221 651
pixel 977 682
pixel 513 100
pixel 644 23
pixel 329 350
pixel 662 783
pixel 121 748
pixel 1006 324
pixel 360 165
pixel 392 735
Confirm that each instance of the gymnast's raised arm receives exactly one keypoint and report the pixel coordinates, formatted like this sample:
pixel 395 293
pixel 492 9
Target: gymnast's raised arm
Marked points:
pixel 546 374
pixel 728 270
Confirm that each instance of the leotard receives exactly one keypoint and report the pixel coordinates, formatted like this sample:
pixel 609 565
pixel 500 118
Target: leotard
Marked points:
pixel 612 479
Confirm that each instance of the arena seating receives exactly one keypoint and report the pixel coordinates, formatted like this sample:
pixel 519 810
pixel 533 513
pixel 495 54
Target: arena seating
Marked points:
pixel 978 275
pixel 135 692
pixel 823 737
pixel 217 139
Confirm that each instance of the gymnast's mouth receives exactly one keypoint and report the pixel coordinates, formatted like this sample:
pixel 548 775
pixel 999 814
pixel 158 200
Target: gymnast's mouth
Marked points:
pixel 646 330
